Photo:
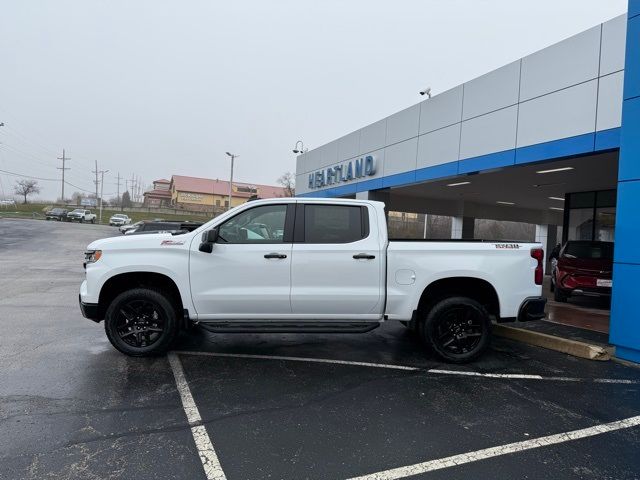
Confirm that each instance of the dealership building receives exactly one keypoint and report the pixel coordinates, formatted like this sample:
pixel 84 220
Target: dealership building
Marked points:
pixel 551 139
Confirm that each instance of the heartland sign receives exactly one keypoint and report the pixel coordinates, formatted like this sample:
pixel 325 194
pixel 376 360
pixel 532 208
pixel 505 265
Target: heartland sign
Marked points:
pixel 361 167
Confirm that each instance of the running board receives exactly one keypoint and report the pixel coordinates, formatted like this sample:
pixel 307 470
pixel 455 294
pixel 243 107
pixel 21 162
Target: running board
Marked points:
pixel 270 326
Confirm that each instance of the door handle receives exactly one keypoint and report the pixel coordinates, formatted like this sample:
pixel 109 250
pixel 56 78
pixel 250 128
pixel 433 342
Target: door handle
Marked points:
pixel 275 255
pixel 364 256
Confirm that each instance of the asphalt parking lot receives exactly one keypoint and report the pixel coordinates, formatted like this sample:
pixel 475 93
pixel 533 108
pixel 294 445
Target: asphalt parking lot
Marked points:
pixel 373 405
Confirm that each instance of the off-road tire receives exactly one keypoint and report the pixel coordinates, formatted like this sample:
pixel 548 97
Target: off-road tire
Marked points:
pixel 460 314
pixel 159 303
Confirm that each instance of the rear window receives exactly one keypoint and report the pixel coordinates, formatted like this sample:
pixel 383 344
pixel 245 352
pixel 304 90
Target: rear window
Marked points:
pixel 589 250
pixel 334 224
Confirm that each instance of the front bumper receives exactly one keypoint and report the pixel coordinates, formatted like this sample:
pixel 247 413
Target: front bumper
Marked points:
pixel 532 309
pixel 89 310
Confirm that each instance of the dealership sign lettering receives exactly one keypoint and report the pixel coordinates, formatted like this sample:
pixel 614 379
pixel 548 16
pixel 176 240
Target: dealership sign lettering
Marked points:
pixel 361 167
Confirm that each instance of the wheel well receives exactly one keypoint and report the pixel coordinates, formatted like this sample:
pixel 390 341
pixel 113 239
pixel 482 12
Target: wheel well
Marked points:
pixel 127 281
pixel 475 288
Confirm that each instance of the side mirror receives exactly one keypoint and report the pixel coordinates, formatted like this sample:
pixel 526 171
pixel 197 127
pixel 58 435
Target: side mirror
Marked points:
pixel 208 239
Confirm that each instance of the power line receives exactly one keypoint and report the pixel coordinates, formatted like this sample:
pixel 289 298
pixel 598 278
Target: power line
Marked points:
pixel 30 176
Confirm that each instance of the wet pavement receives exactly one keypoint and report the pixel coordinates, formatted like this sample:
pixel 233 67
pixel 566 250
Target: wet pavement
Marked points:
pixel 73 407
pixel 589 313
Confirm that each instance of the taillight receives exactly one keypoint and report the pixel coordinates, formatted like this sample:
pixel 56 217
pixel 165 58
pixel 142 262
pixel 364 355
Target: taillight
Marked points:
pixel 538 254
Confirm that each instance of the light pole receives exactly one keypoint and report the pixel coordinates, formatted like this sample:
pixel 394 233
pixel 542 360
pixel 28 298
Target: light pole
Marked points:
pixel 101 192
pixel 233 157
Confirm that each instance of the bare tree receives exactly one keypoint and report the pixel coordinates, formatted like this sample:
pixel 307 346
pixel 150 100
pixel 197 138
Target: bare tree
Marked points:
pixel 288 181
pixel 26 187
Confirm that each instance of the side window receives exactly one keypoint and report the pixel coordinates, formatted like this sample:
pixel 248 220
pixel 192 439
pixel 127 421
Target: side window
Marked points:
pixel 334 224
pixel 256 225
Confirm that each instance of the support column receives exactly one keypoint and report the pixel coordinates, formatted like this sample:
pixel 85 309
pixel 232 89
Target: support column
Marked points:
pixel 362 195
pixel 462 227
pixel 547 235
pixel 625 307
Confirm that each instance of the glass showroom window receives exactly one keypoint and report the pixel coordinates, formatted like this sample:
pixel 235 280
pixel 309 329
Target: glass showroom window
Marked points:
pixel 590 216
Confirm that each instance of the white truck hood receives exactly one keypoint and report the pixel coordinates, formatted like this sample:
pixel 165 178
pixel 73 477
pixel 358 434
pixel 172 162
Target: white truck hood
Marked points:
pixel 143 241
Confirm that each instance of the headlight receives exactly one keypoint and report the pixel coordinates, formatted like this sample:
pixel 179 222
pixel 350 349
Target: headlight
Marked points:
pixel 92 256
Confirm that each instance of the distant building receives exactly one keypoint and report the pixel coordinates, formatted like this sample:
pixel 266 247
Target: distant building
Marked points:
pixel 160 196
pixel 194 193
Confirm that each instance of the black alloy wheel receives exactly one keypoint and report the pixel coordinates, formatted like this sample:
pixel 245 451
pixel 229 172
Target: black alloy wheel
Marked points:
pixel 458 329
pixel 142 322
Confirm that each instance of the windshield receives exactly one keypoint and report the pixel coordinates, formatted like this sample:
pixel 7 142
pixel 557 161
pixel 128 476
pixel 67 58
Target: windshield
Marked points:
pixel 56 210
pixel 78 210
pixel 119 216
pixel 589 250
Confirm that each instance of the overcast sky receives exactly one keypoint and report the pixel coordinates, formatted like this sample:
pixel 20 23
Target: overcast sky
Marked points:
pixel 155 88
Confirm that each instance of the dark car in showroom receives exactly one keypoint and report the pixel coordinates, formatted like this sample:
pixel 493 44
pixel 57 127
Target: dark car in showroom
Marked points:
pixel 583 268
pixel 58 214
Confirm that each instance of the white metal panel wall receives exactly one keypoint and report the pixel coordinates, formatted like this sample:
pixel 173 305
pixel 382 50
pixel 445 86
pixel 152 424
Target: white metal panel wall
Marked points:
pixel 441 111
pixel 614 34
pixel 495 90
pixel 400 157
pixel 567 63
pixel 349 145
pixel 302 183
pixel 329 154
pixel 372 137
pixel 493 132
pixel 557 88
pixel 610 101
pixel 565 113
pixel 403 125
pixel 438 147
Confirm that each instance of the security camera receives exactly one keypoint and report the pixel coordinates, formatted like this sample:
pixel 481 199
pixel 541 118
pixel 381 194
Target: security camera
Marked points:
pixel 426 91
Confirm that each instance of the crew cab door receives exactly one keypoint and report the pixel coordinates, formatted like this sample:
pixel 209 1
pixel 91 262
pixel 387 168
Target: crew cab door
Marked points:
pixel 248 273
pixel 337 266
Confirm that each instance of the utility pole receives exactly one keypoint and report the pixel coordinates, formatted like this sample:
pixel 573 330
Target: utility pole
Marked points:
pixel 96 171
pixel 64 158
pixel 233 157
pixel 118 192
pixel 133 187
pixel 102 172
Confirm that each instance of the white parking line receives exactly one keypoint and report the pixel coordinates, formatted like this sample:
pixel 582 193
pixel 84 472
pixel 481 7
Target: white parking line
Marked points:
pixel 208 456
pixel 454 460
pixel 435 371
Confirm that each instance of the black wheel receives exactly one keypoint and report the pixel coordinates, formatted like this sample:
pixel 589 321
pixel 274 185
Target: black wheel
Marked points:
pixel 458 329
pixel 82 220
pixel 93 220
pixel 552 285
pixel 141 322
pixel 559 295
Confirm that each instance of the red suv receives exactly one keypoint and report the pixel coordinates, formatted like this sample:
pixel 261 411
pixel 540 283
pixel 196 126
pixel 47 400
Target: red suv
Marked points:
pixel 583 268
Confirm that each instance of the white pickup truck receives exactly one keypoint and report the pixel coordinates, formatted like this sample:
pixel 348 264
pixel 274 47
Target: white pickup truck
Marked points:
pixel 308 265
pixel 81 215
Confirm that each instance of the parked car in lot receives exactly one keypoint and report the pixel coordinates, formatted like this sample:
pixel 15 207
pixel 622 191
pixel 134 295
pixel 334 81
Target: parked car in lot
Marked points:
pixel 58 214
pixel 119 219
pixel 125 228
pixel 81 215
pixel 583 268
pixel 307 265
pixel 162 226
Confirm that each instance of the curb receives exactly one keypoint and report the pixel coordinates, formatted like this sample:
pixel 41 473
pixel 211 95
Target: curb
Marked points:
pixel 551 342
